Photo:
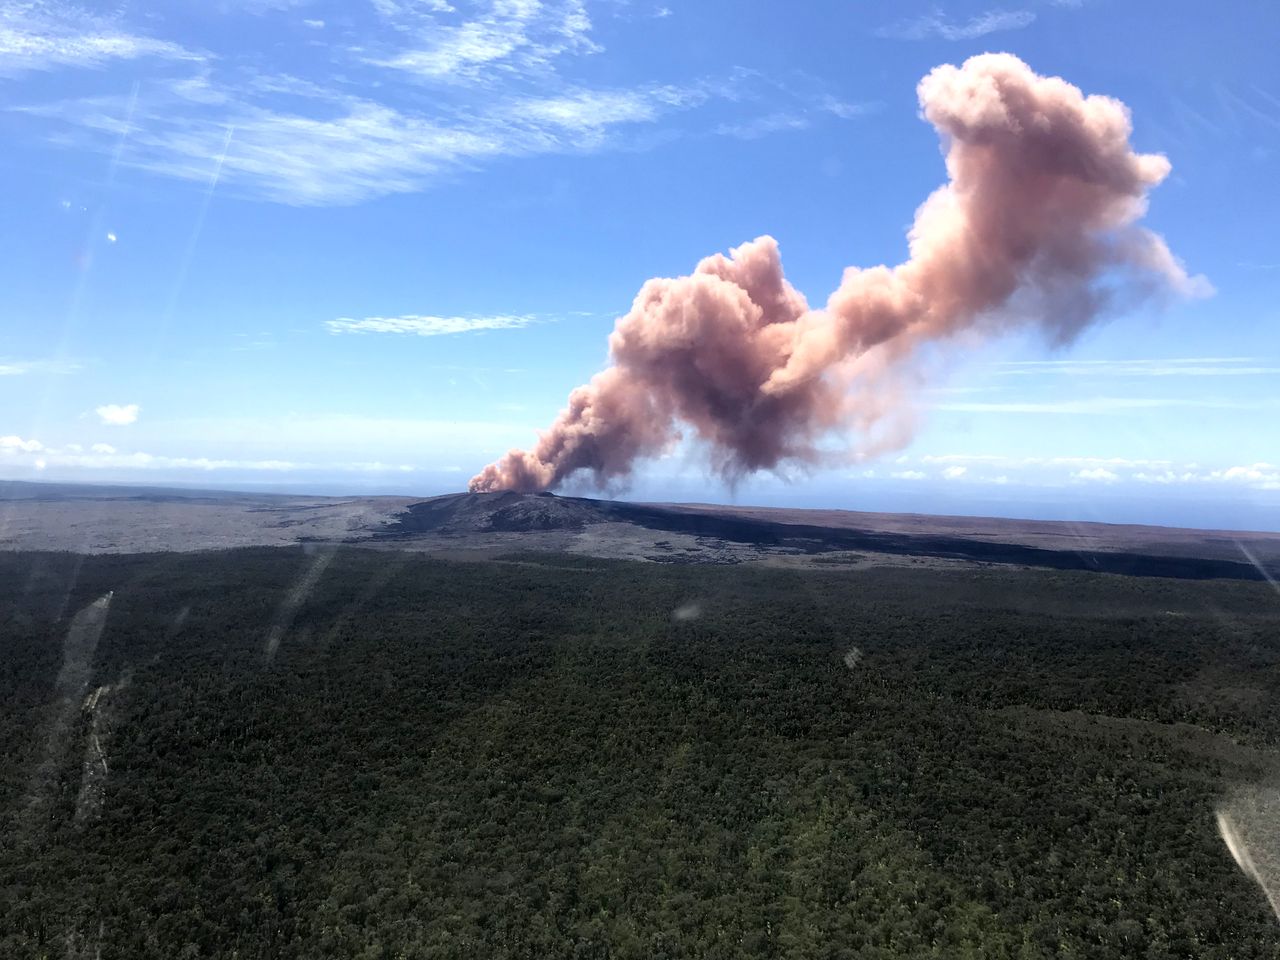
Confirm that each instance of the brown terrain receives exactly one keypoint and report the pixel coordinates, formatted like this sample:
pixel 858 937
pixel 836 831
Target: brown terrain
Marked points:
pixel 102 519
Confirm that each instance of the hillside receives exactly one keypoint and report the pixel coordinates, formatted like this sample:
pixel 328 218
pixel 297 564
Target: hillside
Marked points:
pixel 679 533
pixel 125 520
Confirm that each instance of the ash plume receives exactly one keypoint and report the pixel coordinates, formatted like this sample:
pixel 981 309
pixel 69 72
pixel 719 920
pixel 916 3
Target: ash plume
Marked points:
pixel 1036 227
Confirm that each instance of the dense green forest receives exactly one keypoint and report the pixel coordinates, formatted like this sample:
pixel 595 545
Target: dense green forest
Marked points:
pixel 277 753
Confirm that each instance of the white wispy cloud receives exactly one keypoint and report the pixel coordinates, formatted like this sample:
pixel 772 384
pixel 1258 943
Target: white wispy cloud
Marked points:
pixel 350 150
pixel 846 110
pixel 593 109
pixel 329 443
pixel 427 326
pixel 17 368
pixel 1166 476
pixel 937 26
pixel 1001 460
pixel 1265 476
pixel 397 11
pixel 259 7
pixel 118 415
pixel 44 35
pixel 758 127
pixel 1256 476
pixel 1181 367
pixel 14 444
pixel 954 472
pixel 104 457
pixel 344 436
pixel 1097 405
pixel 1096 474
pixel 1053 471
pixel 337 148
pixel 493 68
pixel 506 37
pixel 800 115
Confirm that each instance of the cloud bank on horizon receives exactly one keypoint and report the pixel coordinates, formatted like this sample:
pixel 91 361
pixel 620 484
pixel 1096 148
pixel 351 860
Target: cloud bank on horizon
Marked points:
pixel 1037 227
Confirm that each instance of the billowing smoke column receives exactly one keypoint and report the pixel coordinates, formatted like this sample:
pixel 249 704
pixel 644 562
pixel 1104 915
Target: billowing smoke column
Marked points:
pixel 1037 227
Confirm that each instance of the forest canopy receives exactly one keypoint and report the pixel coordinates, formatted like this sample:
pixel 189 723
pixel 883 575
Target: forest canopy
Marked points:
pixel 279 753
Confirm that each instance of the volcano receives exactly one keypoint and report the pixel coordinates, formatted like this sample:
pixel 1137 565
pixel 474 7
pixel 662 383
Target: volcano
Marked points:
pixel 102 519
pixel 714 534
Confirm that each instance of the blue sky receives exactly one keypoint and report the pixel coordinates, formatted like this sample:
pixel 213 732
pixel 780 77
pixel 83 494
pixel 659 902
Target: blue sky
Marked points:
pixel 372 245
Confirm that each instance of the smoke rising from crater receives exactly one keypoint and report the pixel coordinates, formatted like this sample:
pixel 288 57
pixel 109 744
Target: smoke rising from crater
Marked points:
pixel 1037 227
